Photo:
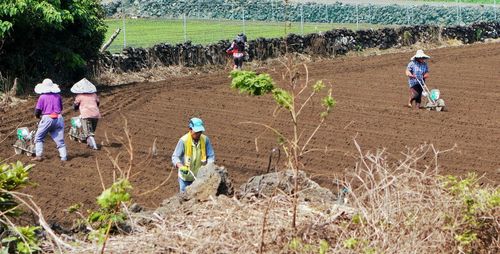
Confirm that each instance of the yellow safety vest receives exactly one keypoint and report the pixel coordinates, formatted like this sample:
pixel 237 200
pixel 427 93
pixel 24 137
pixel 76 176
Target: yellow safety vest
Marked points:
pixel 194 155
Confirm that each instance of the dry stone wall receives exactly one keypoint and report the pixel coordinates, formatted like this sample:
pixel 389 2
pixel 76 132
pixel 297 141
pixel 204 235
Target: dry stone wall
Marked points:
pixel 330 43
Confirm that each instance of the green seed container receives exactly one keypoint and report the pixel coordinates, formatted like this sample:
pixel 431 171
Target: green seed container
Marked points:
pixel 76 122
pixel 22 133
pixel 434 94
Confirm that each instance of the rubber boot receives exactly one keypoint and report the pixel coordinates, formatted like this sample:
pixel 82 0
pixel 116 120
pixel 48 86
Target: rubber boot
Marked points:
pixel 63 153
pixel 91 142
pixel 39 149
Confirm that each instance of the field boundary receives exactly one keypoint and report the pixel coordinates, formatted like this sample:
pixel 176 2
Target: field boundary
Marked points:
pixel 329 44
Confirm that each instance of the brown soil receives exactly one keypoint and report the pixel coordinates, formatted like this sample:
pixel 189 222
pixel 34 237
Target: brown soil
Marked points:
pixel 371 93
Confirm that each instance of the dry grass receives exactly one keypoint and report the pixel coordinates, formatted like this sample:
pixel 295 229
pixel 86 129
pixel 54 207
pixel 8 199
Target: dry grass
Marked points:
pixel 395 207
pixel 158 73
pixel 222 225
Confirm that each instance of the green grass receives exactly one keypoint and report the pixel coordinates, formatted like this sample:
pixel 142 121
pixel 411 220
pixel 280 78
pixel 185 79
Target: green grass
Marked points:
pixel 148 32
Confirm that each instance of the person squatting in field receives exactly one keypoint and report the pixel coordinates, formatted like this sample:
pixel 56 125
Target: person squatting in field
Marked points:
pixel 48 109
pixel 237 49
pixel 417 72
pixel 193 150
pixel 87 102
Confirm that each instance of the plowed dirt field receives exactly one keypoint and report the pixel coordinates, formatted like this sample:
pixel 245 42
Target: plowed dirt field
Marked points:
pixel 371 93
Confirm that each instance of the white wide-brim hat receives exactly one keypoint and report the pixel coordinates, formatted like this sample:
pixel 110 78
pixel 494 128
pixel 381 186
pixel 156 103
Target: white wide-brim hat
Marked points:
pixel 83 86
pixel 420 54
pixel 47 86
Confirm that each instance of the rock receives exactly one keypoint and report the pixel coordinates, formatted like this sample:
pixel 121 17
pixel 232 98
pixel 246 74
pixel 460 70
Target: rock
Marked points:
pixel 265 185
pixel 170 205
pixel 135 208
pixel 213 183
pixel 210 182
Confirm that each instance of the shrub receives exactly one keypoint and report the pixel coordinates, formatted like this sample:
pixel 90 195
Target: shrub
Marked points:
pixel 53 39
pixel 475 221
pixel 13 177
pixel 109 215
pixel 398 203
pixel 312 12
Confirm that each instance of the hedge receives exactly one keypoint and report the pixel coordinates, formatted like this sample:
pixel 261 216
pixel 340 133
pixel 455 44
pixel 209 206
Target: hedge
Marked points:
pixel 312 12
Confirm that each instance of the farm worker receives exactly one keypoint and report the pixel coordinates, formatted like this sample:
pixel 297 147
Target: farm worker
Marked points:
pixel 242 36
pixel 417 72
pixel 193 150
pixel 88 103
pixel 48 109
pixel 237 49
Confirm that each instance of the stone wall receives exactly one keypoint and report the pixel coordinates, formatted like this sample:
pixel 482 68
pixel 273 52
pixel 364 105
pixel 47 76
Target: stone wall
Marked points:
pixel 330 43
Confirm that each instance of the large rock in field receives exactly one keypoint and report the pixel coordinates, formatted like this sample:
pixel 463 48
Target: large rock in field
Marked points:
pixel 211 181
pixel 266 185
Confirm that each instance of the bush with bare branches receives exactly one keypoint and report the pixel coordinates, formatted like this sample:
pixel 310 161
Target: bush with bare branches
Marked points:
pixel 397 206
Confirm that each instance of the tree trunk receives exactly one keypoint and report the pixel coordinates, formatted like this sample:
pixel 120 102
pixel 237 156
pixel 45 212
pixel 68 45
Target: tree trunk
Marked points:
pixel 11 93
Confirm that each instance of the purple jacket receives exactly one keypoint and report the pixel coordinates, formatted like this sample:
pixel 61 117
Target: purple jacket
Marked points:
pixel 49 103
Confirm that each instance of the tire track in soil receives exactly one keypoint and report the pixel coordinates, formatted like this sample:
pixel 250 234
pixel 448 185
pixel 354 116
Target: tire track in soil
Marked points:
pixel 371 93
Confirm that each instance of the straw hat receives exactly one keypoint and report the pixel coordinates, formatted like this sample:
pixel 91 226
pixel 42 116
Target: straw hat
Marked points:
pixel 47 86
pixel 83 86
pixel 420 54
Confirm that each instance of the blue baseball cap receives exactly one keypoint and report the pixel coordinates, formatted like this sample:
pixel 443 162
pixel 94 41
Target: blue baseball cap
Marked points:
pixel 196 124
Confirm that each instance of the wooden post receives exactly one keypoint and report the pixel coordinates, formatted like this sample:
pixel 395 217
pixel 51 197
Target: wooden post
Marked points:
pixel 106 45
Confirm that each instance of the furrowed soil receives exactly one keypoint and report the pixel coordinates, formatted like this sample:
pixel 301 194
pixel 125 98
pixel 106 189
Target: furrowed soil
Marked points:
pixel 371 94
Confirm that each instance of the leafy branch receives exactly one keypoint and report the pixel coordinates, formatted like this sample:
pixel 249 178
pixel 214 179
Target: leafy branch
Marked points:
pixel 14 176
pixel 288 98
pixel 110 214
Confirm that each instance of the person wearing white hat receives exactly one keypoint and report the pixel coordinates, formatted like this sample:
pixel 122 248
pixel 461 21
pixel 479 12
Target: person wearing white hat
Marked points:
pixel 193 150
pixel 48 109
pixel 417 72
pixel 88 103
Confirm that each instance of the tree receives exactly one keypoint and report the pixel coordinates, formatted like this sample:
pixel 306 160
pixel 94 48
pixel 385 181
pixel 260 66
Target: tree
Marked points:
pixel 292 98
pixel 49 38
